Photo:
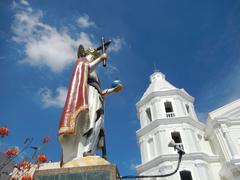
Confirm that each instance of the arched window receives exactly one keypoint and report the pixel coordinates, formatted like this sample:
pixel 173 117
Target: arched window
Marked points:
pixel 169 109
pixel 187 108
pixel 185 175
pixel 149 115
pixel 177 138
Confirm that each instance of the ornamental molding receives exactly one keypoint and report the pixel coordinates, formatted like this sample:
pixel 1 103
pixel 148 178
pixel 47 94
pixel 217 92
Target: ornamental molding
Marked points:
pixel 188 128
pixel 219 123
pixel 155 100
pixel 168 121
pixel 156 162
pixel 231 110
pixel 172 92
pixel 164 168
pixel 228 170
pixel 200 163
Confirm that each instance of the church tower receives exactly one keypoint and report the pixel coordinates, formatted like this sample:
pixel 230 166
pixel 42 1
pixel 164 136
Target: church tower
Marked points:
pixel 167 113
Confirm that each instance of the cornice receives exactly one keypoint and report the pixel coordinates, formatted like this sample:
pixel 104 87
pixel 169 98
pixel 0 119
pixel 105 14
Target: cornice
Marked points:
pixel 164 93
pixel 174 157
pixel 216 122
pixel 227 110
pixel 228 168
pixel 168 121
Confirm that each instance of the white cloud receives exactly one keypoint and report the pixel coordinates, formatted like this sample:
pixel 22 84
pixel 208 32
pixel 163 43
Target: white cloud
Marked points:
pixel 85 40
pixel 24 2
pixel 110 70
pixel 56 100
pixel 22 5
pixel 229 86
pixel 84 22
pixel 222 51
pixel 55 50
pixel 116 45
pixel 130 164
pixel 44 45
pixel 25 26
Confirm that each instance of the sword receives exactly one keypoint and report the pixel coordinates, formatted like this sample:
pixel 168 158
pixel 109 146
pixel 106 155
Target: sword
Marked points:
pixel 106 44
pixel 103 51
pixel 103 47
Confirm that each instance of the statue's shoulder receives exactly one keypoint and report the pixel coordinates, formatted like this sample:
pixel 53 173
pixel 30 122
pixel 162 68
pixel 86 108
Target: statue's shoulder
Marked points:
pixel 82 59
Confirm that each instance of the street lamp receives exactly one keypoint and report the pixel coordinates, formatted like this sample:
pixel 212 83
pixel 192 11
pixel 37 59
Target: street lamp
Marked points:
pixel 180 152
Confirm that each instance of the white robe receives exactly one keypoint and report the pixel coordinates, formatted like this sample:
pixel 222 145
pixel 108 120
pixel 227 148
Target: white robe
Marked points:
pixel 76 145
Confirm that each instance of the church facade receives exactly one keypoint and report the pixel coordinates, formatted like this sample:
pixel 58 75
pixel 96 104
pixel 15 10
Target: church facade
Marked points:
pixel 167 113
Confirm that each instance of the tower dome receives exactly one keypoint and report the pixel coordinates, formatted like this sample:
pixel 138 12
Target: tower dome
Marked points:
pixel 158 83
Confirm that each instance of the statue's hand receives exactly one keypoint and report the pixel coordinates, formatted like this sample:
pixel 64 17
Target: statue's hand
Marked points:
pixel 104 57
pixel 118 88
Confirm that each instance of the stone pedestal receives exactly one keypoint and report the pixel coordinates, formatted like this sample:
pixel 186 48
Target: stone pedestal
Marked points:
pixel 98 172
pixel 85 168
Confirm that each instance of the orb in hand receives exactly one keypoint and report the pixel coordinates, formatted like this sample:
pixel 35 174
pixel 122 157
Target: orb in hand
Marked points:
pixel 117 85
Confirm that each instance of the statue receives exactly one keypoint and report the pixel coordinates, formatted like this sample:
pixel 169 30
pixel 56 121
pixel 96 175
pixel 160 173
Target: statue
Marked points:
pixel 81 128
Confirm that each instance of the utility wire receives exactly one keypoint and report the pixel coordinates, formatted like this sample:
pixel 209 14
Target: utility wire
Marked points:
pixel 180 152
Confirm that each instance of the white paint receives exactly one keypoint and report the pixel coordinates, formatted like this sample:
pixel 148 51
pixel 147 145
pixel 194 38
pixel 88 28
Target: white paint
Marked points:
pixel 212 149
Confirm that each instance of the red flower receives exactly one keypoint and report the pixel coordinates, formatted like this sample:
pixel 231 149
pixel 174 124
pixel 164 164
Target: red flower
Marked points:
pixel 24 165
pixel 41 158
pixel 26 177
pixel 4 131
pixel 11 152
pixel 45 140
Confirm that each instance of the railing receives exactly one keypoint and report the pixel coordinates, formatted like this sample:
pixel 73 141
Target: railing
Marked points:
pixel 170 115
pixel 180 145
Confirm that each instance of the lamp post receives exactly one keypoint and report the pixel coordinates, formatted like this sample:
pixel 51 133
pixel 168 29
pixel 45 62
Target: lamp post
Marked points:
pixel 180 152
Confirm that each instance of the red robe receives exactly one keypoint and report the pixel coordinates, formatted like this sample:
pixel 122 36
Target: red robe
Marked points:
pixel 77 98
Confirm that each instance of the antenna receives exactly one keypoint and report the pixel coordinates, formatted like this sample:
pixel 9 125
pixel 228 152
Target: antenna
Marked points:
pixel 155 68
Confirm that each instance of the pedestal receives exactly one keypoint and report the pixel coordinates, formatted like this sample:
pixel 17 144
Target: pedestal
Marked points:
pixel 97 172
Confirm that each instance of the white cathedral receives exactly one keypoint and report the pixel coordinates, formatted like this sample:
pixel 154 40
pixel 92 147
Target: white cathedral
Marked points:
pixel 167 113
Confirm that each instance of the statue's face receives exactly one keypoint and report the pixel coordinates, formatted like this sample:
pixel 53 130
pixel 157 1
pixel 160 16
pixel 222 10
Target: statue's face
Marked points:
pixel 90 57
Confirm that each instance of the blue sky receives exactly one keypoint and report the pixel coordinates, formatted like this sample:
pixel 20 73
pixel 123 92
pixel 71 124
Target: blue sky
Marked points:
pixel 194 43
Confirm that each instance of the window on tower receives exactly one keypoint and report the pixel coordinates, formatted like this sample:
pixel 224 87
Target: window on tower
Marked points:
pixel 149 115
pixel 185 175
pixel 177 139
pixel 169 109
pixel 168 106
pixel 187 108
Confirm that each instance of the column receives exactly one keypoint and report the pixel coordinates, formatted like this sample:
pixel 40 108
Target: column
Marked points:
pixel 158 143
pixel 151 148
pixel 179 110
pixel 203 171
pixel 191 140
pixel 223 145
pixel 230 143
pixel 143 150
pixel 195 140
pixel 143 118
pixel 165 169
pixel 156 107
pixel 192 112
pixel 163 141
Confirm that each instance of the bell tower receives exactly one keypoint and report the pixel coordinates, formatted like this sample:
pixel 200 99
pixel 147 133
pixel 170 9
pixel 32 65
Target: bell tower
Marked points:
pixel 167 113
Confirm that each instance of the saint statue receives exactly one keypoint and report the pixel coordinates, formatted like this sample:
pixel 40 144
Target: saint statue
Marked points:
pixel 81 128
